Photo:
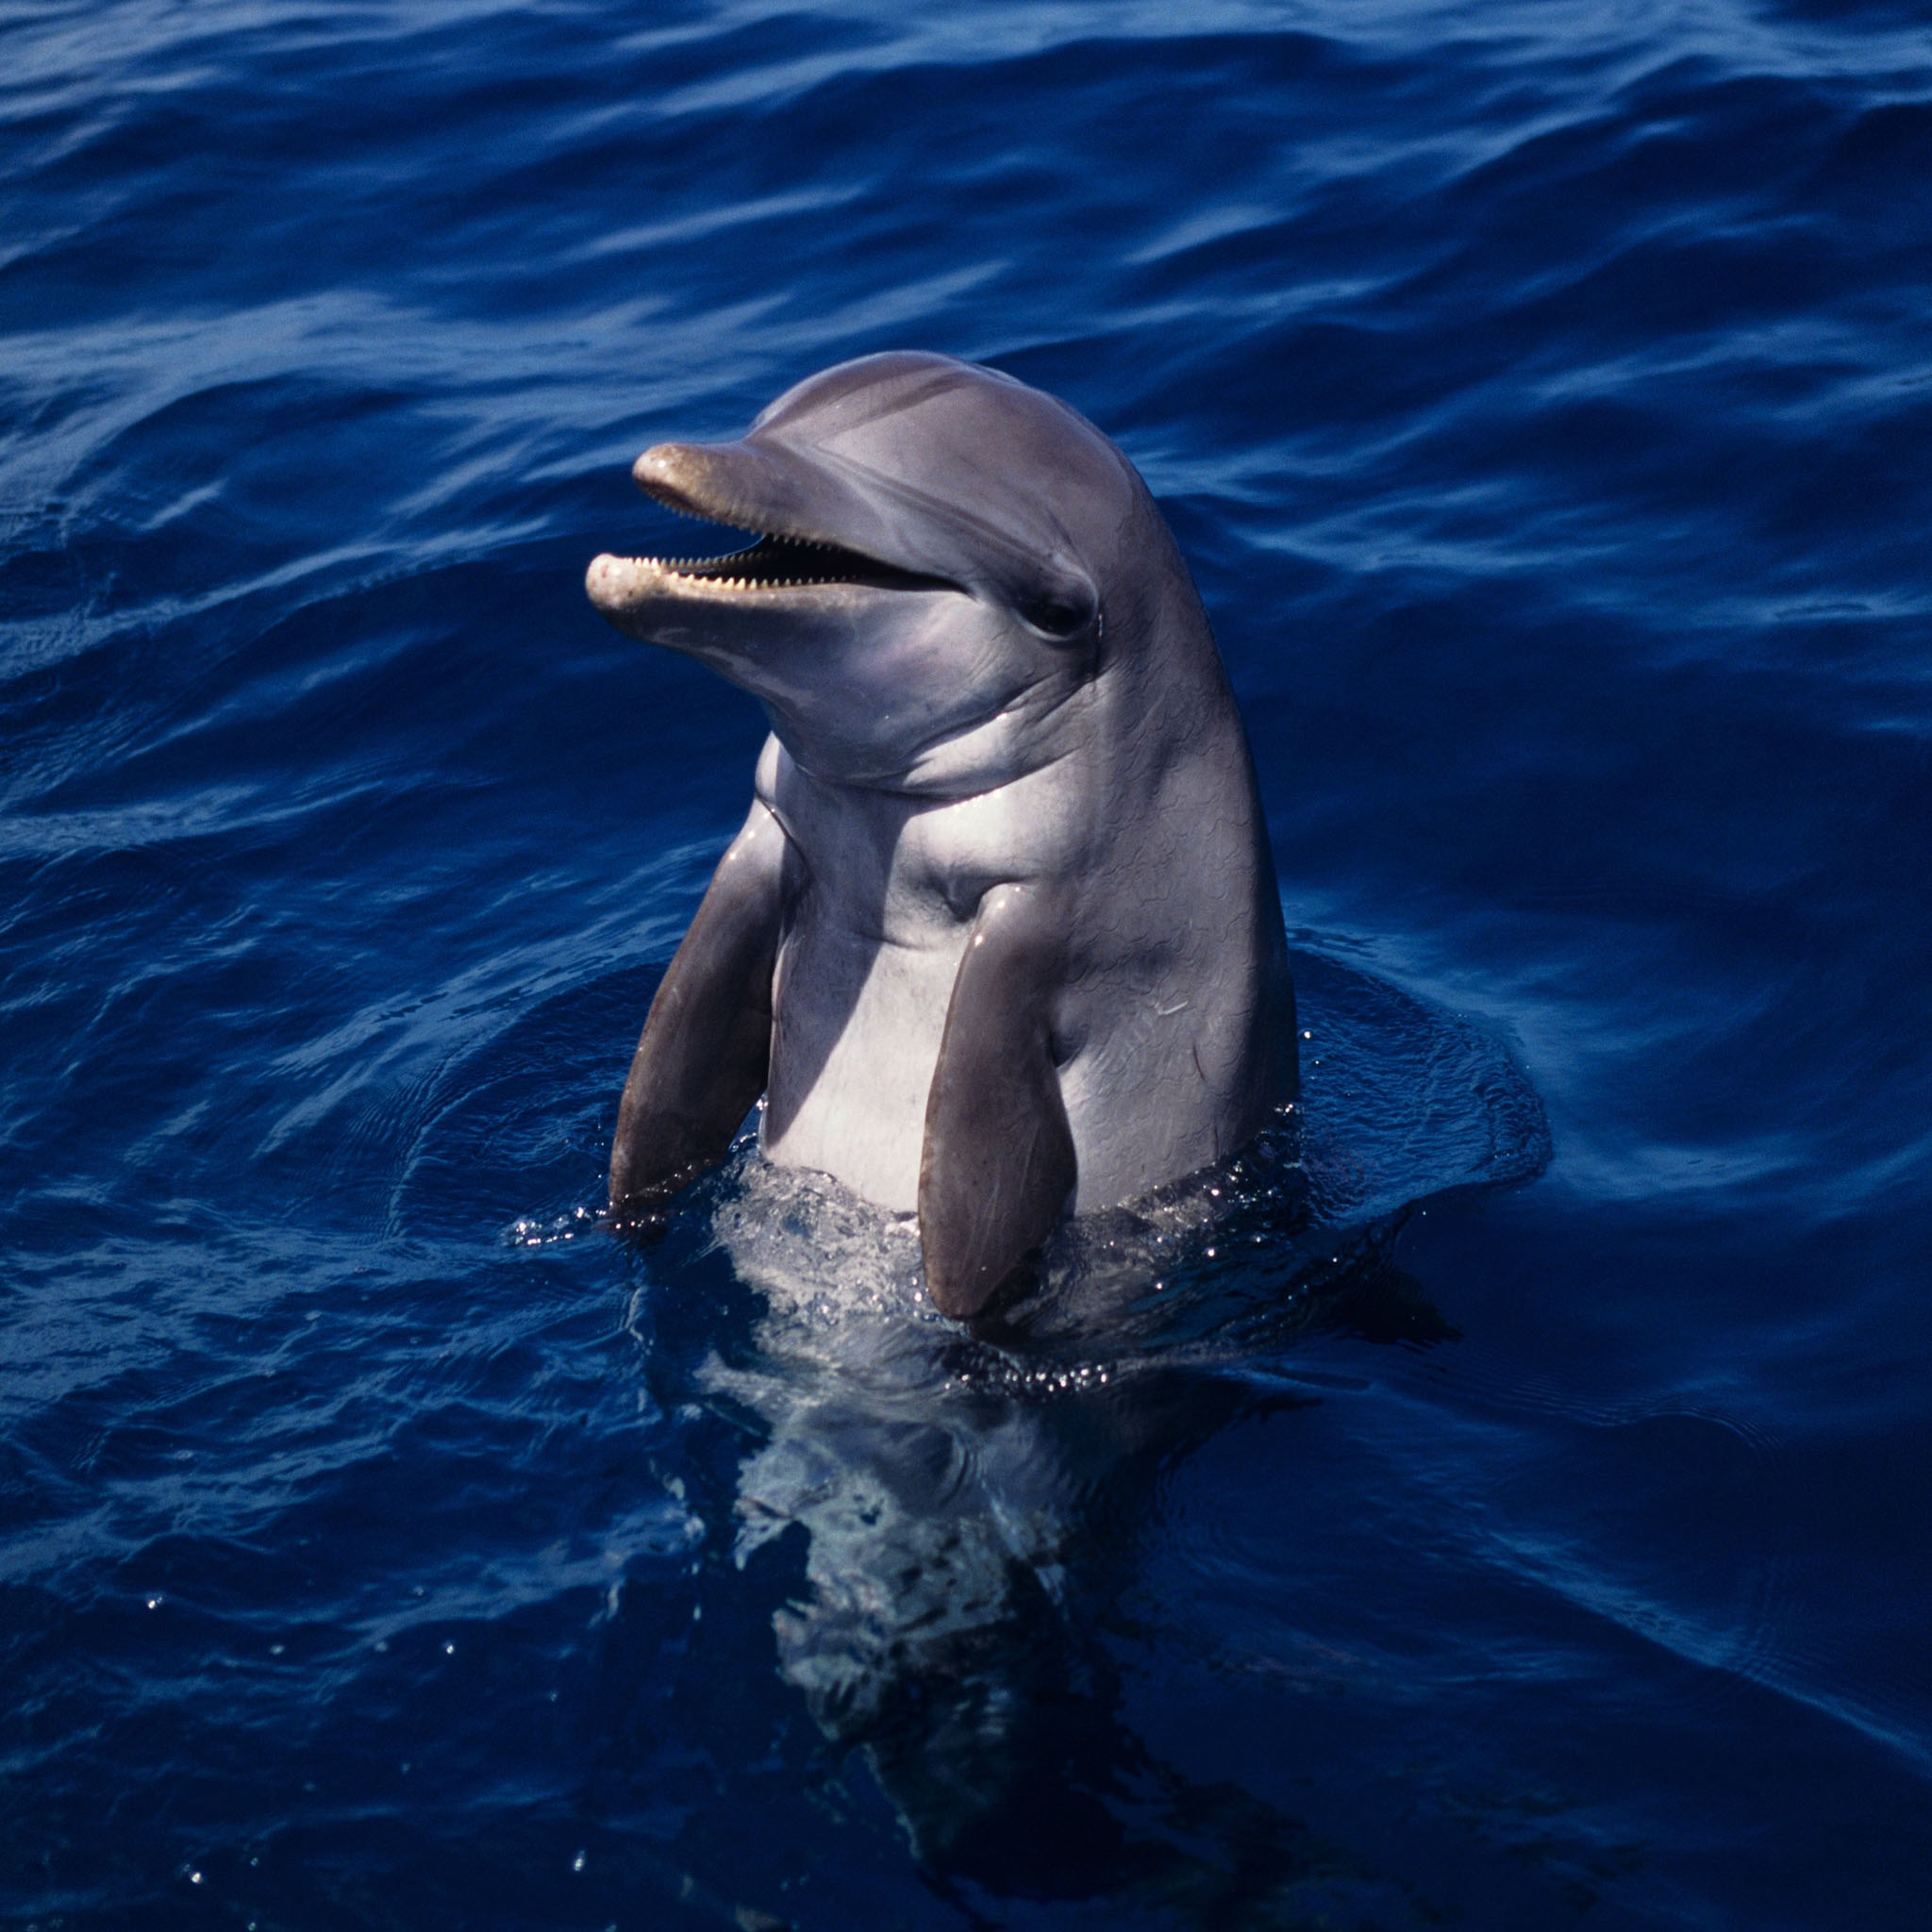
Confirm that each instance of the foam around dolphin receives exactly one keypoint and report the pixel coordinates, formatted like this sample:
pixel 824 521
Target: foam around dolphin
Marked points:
pixel 1000 937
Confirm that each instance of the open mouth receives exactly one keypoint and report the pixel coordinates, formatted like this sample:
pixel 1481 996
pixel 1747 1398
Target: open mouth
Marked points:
pixel 783 563
pixel 794 567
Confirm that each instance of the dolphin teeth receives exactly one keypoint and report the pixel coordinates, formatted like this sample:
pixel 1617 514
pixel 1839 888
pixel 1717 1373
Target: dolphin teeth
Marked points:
pixel 807 561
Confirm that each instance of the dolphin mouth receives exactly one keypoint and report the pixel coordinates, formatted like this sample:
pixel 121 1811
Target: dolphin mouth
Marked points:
pixel 794 564
pixel 798 557
pixel 776 562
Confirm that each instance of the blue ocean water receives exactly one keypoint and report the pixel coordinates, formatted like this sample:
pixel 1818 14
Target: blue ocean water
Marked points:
pixel 1514 1513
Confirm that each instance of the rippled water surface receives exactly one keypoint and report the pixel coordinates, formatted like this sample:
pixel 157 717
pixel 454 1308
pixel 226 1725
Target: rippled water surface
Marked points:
pixel 1506 1508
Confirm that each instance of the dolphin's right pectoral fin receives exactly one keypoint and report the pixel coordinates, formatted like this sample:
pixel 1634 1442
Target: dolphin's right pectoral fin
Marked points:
pixel 998 1163
pixel 706 1045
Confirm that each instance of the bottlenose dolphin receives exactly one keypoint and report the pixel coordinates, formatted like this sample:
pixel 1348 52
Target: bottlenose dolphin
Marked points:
pixel 1000 937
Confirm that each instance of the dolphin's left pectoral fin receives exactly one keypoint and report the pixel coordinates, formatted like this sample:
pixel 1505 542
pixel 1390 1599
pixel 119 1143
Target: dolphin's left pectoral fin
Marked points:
pixel 998 1163
pixel 706 1045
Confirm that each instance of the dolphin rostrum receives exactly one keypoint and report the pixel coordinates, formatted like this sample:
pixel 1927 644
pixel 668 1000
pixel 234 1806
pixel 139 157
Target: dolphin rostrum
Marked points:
pixel 1000 939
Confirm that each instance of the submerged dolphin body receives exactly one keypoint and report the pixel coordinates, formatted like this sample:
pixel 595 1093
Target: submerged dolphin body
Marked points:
pixel 1000 937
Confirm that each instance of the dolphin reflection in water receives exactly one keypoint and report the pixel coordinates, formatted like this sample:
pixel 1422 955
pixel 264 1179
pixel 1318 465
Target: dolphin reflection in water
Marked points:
pixel 970 1502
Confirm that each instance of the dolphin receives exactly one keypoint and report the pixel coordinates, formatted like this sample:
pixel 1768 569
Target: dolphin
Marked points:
pixel 1000 939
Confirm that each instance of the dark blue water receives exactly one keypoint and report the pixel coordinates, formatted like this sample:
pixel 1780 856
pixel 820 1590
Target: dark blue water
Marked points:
pixel 1512 1515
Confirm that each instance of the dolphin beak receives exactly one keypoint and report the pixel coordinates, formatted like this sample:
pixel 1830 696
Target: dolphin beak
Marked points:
pixel 617 584
pixel 734 483
pixel 801 565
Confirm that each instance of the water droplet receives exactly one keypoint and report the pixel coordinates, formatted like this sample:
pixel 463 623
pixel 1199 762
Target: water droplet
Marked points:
pixel 154 1603
pixel 576 1864
pixel 449 1650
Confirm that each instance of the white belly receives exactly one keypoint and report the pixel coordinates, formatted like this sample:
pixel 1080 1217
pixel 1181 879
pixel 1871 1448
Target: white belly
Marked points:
pixel 856 1037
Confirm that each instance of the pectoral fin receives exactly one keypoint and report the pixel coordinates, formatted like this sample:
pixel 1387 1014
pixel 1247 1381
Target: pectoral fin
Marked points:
pixel 998 1163
pixel 706 1045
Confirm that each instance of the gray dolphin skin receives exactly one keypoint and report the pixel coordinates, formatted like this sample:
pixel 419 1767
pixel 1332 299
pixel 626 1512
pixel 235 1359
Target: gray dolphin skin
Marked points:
pixel 1000 937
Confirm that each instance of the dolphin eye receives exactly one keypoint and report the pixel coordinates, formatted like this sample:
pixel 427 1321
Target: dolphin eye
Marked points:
pixel 1056 613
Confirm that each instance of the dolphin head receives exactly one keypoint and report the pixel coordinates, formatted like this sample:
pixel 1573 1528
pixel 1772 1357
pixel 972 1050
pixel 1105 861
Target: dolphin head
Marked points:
pixel 930 580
